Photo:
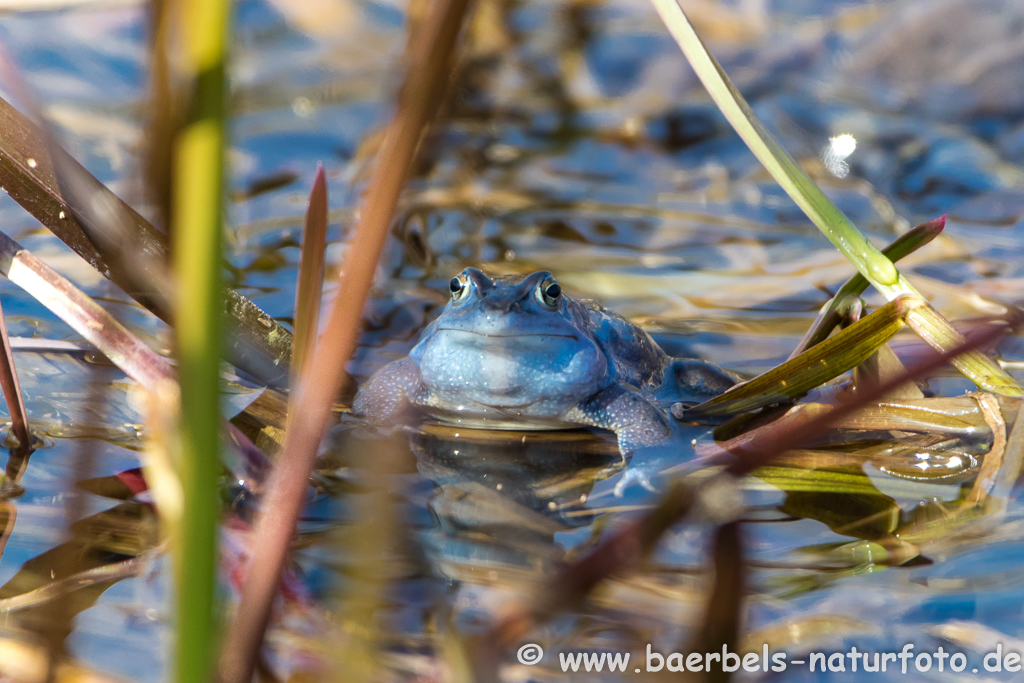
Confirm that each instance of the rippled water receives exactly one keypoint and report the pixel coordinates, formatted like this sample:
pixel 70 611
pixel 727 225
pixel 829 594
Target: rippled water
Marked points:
pixel 577 141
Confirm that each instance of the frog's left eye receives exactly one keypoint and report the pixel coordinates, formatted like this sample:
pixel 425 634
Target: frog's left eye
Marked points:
pixel 550 291
pixel 457 287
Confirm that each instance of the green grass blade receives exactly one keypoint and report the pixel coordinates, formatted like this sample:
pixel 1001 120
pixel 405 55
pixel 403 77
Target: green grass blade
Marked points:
pixel 197 211
pixel 813 367
pixel 830 220
pixel 865 257
pixel 904 245
pixel 939 334
pixel 831 315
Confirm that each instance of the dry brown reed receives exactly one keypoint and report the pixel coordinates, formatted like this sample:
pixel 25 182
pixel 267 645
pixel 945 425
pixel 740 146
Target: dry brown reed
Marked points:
pixel 310 413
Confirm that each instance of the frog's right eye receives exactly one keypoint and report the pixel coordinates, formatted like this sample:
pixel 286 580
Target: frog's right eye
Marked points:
pixel 458 288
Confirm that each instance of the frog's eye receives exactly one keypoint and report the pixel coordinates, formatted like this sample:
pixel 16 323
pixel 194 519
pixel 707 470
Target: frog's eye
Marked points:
pixel 550 291
pixel 457 288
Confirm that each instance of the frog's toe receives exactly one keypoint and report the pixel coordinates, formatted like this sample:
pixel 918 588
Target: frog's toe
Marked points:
pixel 679 408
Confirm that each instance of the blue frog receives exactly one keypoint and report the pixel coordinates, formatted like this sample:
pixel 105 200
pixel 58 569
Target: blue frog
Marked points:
pixel 521 354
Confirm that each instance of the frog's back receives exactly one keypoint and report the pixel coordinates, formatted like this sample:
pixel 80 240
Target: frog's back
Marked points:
pixel 636 359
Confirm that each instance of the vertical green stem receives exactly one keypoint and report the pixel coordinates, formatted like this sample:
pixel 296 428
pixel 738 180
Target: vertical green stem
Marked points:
pixel 197 208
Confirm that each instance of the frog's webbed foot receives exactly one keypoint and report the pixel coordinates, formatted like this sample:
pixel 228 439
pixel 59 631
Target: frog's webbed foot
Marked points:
pixel 641 475
pixel 388 395
pixel 647 464
pixel 647 439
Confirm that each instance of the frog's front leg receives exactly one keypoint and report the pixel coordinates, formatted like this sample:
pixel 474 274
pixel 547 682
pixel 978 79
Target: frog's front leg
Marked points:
pixel 387 396
pixel 644 434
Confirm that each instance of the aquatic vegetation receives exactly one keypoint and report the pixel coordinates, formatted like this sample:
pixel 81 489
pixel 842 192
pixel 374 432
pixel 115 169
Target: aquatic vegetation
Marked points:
pixel 309 286
pixel 874 266
pixel 198 188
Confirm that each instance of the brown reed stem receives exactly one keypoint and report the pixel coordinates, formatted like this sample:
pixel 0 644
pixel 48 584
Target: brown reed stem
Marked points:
pixel 311 274
pixel 325 375
pixel 12 391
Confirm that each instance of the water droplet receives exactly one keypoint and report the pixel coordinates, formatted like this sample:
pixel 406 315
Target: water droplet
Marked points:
pixel 32 163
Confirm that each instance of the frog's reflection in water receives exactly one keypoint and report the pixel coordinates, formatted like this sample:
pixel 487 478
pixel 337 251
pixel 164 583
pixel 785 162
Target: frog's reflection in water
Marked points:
pixel 503 496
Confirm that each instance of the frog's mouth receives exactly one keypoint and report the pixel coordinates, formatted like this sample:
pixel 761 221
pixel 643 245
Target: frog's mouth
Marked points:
pixel 510 335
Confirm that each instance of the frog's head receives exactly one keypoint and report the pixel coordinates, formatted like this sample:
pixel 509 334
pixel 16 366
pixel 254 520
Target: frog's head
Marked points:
pixel 508 342
pixel 502 307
